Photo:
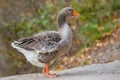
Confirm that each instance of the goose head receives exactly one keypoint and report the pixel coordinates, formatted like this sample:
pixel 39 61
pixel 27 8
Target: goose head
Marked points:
pixel 65 12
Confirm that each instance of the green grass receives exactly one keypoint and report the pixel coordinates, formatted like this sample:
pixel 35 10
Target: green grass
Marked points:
pixel 90 32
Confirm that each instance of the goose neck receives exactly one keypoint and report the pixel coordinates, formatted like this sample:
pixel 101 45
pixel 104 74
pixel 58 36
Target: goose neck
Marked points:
pixel 63 27
pixel 61 20
pixel 66 32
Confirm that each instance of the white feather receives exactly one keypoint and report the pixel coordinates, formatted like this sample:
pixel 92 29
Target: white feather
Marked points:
pixel 31 56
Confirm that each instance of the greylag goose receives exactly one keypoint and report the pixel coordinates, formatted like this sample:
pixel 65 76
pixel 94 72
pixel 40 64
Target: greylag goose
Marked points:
pixel 43 48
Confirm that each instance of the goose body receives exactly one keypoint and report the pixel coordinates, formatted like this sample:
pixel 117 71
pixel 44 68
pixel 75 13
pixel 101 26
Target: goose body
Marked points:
pixel 42 48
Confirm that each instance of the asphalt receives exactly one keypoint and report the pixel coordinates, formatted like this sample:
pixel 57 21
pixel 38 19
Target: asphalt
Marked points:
pixel 109 71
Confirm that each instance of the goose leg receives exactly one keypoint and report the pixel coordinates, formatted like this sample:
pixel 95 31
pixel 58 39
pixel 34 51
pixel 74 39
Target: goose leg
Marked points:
pixel 46 72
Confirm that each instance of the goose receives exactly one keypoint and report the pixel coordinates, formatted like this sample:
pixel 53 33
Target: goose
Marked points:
pixel 43 48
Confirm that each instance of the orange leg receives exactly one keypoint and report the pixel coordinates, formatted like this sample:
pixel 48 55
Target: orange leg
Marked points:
pixel 46 72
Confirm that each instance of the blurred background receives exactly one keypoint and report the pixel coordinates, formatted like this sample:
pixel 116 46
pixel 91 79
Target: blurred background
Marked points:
pixel 96 32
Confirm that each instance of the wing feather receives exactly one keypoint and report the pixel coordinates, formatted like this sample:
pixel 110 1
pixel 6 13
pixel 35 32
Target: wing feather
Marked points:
pixel 42 42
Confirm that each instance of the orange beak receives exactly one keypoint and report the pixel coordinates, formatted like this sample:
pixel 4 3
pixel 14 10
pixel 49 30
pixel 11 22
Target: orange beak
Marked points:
pixel 75 13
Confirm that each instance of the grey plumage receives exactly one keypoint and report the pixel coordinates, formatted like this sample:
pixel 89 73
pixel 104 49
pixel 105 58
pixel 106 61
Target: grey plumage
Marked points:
pixel 44 42
pixel 47 46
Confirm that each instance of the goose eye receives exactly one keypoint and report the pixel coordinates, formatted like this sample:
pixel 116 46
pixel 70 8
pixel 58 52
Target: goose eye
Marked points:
pixel 70 9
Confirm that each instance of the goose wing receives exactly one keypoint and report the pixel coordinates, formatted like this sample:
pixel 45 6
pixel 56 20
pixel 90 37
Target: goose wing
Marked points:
pixel 42 42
